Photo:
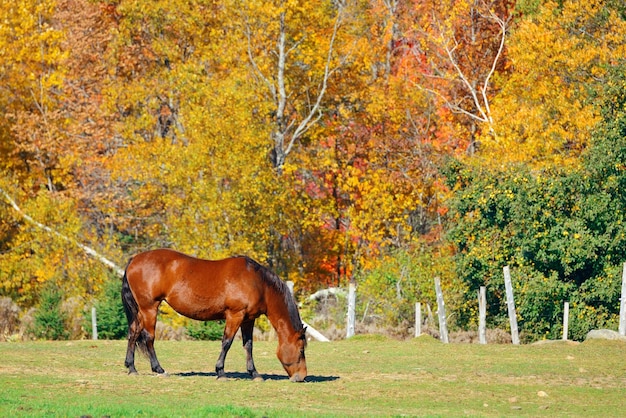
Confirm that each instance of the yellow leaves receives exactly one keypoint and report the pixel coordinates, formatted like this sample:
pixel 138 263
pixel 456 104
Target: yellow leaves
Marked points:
pixel 380 209
pixel 204 195
pixel 35 256
pixel 28 42
pixel 541 114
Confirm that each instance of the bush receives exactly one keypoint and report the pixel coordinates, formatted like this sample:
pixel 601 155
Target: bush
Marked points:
pixel 110 315
pixel 387 293
pixel 540 306
pixel 595 305
pixel 207 330
pixel 49 320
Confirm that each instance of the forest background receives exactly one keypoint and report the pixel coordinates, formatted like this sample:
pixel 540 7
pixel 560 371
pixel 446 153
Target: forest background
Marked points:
pixel 381 142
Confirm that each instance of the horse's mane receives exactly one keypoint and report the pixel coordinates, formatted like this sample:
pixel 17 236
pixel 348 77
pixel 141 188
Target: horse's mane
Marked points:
pixel 277 284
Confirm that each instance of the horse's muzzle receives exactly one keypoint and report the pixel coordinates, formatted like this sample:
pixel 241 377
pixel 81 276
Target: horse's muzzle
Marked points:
pixel 297 378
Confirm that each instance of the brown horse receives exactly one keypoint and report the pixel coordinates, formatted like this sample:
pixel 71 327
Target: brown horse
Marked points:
pixel 236 289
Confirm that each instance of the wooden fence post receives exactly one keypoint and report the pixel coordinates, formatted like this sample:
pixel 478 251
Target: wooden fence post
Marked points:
pixel 482 315
pixel 565 320
pixel 351 310
pixel 622 306
pixel 441 312
pixel 510 303
pixel 94 324
pixel 418 319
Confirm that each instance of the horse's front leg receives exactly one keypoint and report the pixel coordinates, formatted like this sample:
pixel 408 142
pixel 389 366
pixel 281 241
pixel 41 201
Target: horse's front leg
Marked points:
pixel 246 334
pixel 233 322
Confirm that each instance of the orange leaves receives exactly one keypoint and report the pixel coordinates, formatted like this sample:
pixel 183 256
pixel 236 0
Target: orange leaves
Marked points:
pixel 310 134
pixel 30 73
pixel 452 50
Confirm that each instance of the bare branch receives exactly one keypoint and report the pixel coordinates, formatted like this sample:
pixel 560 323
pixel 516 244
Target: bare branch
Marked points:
pixel 255 66
pixel 477 89
pixel 503 24
pixel 88 250
pixel 308 121
pixel 282 58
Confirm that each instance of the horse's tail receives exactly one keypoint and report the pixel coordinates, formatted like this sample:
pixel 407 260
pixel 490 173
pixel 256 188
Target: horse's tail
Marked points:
pixel 132 313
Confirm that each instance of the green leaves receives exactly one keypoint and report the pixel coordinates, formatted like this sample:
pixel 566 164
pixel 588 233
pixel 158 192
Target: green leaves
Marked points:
pixel 50 320
pixel 111 319
pixel 564 231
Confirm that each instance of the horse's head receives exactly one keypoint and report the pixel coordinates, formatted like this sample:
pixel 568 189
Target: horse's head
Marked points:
pixel 291 355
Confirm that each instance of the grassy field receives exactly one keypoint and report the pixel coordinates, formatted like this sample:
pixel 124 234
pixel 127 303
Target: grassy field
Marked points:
pixel 365 376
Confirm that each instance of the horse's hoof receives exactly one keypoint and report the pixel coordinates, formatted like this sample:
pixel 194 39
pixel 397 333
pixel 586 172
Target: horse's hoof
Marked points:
pixel 133 373
pixel 222 379
pixel 164 374
pixel 258 379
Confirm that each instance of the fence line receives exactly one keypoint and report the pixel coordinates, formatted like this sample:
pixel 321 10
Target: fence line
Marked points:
pixel 443 329
pixel 482 308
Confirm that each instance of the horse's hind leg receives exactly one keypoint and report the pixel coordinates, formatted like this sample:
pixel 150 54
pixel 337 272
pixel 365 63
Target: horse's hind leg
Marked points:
pixel 246 334
pixel 133 335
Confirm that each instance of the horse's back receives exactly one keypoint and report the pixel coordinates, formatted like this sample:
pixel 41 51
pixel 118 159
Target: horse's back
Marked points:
pixel 197 288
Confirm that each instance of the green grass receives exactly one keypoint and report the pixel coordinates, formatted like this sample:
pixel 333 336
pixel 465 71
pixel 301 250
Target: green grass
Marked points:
pixel 364 376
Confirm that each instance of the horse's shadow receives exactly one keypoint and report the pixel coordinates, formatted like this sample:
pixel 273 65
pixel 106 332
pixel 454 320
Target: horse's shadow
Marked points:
pixel 246 376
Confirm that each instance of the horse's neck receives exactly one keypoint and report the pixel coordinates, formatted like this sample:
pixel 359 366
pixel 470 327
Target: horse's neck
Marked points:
pixel 278 315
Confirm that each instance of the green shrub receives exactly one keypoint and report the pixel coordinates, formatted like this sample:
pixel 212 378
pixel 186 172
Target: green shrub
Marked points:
pixel 539 307
pixel 595 304
pixel 387 293
pixel 110 315
pixel 207 330
pixel 49 323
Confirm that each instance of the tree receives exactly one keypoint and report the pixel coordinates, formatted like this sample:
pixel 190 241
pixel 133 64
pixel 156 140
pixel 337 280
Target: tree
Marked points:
pixel 284 51
pixel 49 168
pixel 40 255
pixel 452 51
pixel 543 114
pixel 31 76
pixel 561 231
pixel 112 323
pixel 49 319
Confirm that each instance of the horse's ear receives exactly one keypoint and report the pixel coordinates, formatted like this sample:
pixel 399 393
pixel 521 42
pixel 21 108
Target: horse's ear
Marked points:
pixel 303 332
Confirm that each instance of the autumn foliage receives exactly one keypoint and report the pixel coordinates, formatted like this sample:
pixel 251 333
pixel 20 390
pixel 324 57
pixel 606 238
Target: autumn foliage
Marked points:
pixel 335 141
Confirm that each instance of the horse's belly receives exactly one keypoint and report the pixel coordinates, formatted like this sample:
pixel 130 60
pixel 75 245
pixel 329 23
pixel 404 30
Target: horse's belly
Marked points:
pixel 208 310
pixel 199 311
pixel 206 316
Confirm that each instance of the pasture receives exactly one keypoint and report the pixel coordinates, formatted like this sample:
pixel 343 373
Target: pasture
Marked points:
pixel 363 376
